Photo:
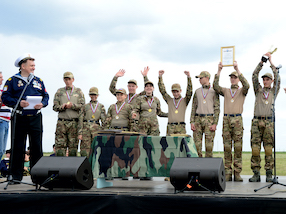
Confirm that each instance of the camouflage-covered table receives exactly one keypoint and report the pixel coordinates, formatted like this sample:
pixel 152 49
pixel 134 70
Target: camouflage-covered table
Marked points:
pixel 139 156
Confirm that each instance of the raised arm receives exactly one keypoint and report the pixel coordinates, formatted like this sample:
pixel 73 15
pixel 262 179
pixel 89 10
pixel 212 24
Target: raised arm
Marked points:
pixel 216 86
pixel 112 87
pixel 189 91
pixel 162 87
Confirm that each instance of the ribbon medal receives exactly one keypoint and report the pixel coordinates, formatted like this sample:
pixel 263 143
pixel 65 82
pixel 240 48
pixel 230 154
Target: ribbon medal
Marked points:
pixel 177 105
pixel 118 110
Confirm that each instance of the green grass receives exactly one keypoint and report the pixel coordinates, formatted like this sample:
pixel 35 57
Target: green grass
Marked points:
pixel 246 170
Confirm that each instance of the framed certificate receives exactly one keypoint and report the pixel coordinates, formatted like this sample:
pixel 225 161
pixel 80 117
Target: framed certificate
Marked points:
pixel 227 55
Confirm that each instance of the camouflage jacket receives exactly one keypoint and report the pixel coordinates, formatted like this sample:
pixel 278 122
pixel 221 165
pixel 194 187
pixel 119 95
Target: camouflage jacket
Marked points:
pixel 143 109
pixel 264 97
pixel 76 98
pixel 256 85
pixel 95 114
pixel 130 98
pixel 167 97
pixel 124 118
pixel 219 89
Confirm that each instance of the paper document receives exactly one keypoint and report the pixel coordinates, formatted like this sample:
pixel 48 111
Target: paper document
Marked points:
pixel 33 100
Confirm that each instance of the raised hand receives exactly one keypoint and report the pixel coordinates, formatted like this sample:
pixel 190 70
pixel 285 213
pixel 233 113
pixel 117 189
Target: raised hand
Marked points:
pixel 187 73
pixel 161 72
pixel 145 71
pixel 120 73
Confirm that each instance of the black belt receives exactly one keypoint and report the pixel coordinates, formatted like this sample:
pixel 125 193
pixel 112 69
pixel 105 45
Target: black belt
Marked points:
pixel 232 115
pixel 75 119
pixel 91 121
pixel 118 127
pixel 203 115
pixel 177 123
pixel 262 118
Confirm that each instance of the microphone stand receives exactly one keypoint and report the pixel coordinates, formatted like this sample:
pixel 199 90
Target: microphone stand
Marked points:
pixel 10 179
pixel 275 179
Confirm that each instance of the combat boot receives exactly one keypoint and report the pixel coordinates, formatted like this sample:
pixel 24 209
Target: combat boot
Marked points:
pixel 237 177
pixel 255 177
pixel 269 175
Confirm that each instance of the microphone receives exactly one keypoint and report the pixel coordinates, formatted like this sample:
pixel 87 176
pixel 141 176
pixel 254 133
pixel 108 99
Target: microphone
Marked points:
pixel 279 66
pixel 30 77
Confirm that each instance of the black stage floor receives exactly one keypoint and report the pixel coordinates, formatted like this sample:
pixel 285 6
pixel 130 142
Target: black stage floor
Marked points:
pixel 135 196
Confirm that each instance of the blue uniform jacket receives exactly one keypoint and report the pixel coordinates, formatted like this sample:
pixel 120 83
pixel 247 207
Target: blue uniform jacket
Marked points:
pixel 14 86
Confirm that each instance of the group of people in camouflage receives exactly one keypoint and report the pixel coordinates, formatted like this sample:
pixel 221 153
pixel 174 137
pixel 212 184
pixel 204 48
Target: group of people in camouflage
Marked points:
pixel 138 113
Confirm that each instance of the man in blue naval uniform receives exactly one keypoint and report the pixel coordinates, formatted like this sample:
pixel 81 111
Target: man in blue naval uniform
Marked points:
pixel 28 122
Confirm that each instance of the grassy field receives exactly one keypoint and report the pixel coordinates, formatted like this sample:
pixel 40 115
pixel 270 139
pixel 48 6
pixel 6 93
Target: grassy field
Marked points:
pixel 246 170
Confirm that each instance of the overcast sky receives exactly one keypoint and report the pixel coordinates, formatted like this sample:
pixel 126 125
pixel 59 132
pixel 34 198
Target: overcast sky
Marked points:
pixel 94 39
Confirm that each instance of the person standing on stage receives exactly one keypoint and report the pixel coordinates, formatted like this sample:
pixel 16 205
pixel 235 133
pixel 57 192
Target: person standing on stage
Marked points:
pixel 232 121
pixel 205 114
pixel 147 108
pixel 5 113
pixel 262 127
pixel 132 87
pixel 176 106
pixel 88 125
pixel 119 114
pixel 67 101
pixel 28 120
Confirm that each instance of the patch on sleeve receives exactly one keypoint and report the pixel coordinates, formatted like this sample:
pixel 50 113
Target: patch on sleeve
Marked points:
pixel 5 87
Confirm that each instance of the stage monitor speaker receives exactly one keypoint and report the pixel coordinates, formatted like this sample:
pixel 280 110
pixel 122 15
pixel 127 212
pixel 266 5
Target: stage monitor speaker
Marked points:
pixel 63 172
pixel 208 172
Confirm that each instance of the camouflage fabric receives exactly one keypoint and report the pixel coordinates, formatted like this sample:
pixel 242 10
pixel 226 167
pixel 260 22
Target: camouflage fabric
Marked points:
pixel 203 125
pixel 148 122
pixel 89 131
pixel 149 126
pixel 125 119
pixel 86 113
pixel 88 124
pixel 138 156
pixel 232 136
pixel 176 129
pixel 131 99
pixel 66 137
pixel 76 98
pixel 166 96
pixel 262 130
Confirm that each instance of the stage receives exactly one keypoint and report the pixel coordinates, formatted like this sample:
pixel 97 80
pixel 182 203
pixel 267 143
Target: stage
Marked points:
pixel 135 196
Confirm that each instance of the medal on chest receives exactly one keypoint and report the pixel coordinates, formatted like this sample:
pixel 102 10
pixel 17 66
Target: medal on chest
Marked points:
pixel 118 110
pixel 149 103
pixel 93 109
pixel 69 95
pixel 232 94
pixel 205 95
pixel 177 105
pixel 266 95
